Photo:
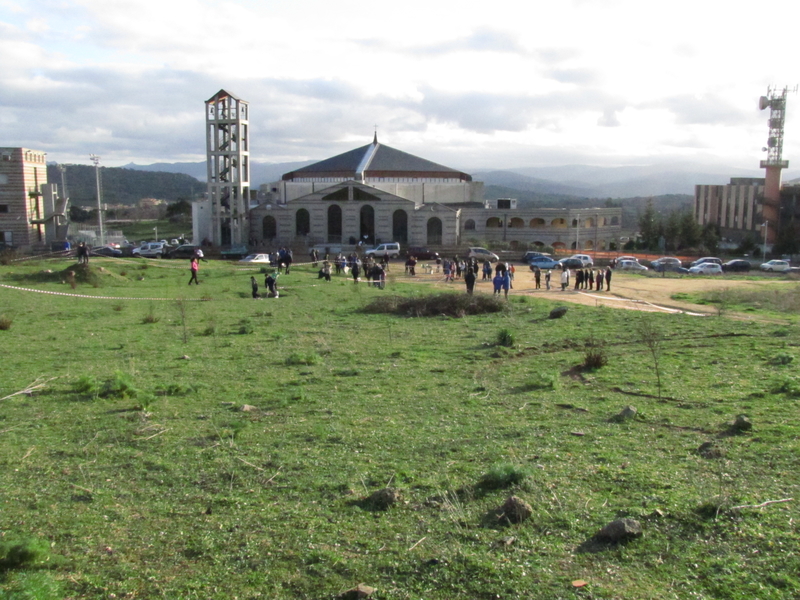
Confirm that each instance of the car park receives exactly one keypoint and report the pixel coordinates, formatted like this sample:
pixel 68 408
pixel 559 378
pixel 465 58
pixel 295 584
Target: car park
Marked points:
pixel 422 253
pixel 630 265
pixel 616 261
pixel 544 262
pixel 706 268
pixel 381 250
pixel 482 254
pixel 737 265
pixel 775 266
pixel 586 260
pixel 256 258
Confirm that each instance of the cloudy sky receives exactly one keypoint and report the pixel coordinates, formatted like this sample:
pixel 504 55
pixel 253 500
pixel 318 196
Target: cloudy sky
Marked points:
pixel 468 84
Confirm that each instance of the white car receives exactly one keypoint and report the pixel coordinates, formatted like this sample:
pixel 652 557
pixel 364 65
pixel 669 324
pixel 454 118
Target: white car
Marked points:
pixel 706 269
pixel 776 266
pixel 706 259
pixel 151 250
pixel 256 258
pixel 483 254
pixel 390 248
pixel 630 265
pixel 585 259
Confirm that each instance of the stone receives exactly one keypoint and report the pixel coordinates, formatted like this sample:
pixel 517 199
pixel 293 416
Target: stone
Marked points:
pixel 383 499
pixel 742 423
pixel 357 593
pixel 629 412
pixel 248 408
pixel 620 530
pixel 515 509
pixel 557 312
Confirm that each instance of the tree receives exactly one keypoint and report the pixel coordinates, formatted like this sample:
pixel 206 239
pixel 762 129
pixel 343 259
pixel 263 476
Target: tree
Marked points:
pixel 690 231
pixel 710 237
pixel 649 226
pixel 181 208
pixel 78 214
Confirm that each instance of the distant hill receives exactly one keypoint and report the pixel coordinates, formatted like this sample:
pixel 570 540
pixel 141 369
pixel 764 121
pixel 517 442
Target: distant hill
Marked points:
pixel 259 172
pixel 124 186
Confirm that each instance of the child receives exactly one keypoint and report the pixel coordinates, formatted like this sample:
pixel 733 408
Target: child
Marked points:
pixel 254 285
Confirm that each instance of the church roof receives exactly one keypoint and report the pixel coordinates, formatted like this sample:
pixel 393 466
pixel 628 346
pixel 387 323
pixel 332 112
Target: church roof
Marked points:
pixel 376 160
pixel 222 94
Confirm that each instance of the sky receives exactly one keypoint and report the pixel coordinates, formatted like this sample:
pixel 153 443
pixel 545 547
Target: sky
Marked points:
pixel 472 85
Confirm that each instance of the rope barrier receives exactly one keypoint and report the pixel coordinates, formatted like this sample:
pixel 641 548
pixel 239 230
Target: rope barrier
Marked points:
pixel 646 303
pixel 22 289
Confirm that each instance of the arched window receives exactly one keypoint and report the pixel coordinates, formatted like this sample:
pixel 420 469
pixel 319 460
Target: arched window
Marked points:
pixel 588 245
pixel 516 223
pixel 334 224
pixel 367 230
pixel 558 223
pixel 588 222
pixel 469 225
pixel 538 244
pixel 434 231
pixel 302 222
pixel 494 222
pixel 514 244
pixel 558 245
pixel 269 228
pixel 537 222
pixel 614 221
pixel 574 222
pixel 400 226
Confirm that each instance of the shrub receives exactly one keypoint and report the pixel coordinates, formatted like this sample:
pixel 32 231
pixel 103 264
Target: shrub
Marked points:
pixel 788 385
pixel 298 358
pixel 502 476
pixel 151 317
pixel 434 305
pixel 211 329
pixel 87 385
pixel 5 323
pixel 246 327
pixel 22 554
pixel 119 386
pixel 780 359
pixel 595 356
pixel 541 381
pixel 505 338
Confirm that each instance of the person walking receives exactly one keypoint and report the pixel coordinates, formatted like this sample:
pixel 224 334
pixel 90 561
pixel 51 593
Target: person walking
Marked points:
pixel 194 267
pixel 537 277
pixel 608 279
pixel 254 286
pixel 547 279
pixel 506 282
pixel 469 279
pixel 564 279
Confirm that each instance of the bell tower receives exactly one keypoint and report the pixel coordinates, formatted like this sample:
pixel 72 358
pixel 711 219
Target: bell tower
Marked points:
pixel 228 168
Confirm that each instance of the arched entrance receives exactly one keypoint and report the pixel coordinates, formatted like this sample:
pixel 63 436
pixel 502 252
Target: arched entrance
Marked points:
pixel 367 229
pixel 334 224
pixel 495 222
pixel 400 226
pixel 269 228
pixel 302 222
pixel 434 231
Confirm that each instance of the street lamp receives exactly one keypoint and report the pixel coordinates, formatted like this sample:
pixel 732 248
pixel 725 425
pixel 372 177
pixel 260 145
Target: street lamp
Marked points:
pixel 156 230
pixel 765 226
pixel 96 161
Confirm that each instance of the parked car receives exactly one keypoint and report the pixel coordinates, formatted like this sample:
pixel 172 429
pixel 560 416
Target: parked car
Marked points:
pixel 586 260
pixel 256 258
pixel 526 258
pixel 150 250
pixel 422 253
pixel 706 268
pixel 737 265
pixel 616 261
pixel 482 254
pixel 381 250
pixel 106 251
pixel 544 262
pixel 630 265
pixel 571 263
pixel 666 263
pixel 184 251
pixel 776 266
pixel 706 259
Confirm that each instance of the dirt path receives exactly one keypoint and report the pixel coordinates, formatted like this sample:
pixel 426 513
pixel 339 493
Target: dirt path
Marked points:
pixel 628 291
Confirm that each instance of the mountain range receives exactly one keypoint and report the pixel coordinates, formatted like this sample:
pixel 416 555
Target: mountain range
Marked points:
pixel 583 181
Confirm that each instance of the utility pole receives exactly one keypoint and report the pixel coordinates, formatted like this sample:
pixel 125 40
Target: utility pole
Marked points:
pixel 96 161
pixel 765 226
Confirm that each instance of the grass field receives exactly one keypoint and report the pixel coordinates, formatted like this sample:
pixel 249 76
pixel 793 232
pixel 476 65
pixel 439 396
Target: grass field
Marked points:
pixel 134 471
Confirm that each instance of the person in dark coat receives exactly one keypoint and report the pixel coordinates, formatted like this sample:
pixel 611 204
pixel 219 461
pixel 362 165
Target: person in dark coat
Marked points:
pixel 608 279
pixel 591 279
pixel 356 270
pixel 254 286
pixel 469 279
pixel 578 279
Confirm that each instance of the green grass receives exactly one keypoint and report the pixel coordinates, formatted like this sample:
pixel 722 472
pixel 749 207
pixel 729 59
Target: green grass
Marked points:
pixel 140 474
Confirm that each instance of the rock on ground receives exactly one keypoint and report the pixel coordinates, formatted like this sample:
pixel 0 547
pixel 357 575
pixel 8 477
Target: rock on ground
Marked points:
pixel 629 412
pixel 516 509
pixel 383 499
pixel 558 312
pixel 742 423
pixel 620 530
pixel 358 593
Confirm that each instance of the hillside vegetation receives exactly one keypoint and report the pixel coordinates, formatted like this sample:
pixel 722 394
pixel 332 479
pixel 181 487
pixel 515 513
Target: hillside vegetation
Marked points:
pixel 197 443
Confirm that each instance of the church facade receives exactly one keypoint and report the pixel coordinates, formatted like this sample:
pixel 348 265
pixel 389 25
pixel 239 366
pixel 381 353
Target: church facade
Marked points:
pixel 376 194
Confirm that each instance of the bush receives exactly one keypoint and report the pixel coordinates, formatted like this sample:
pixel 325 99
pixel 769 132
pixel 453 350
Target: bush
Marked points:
pixel 505 338
pixel 246 327
pixel 595 356
pixel 87 385
pixel 448 304
pixel 780 359
pixel 22 554
pixel 151 317
pixel 5 323
pixel 297 358
pixel 502 476
pixel 119 386
pixel 788 385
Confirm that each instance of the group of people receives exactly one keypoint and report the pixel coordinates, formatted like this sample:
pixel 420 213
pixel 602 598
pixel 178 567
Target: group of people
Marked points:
pixel 585 279
pixel 270 282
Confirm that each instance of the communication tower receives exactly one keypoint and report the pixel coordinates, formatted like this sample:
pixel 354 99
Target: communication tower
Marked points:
pixel 775 100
